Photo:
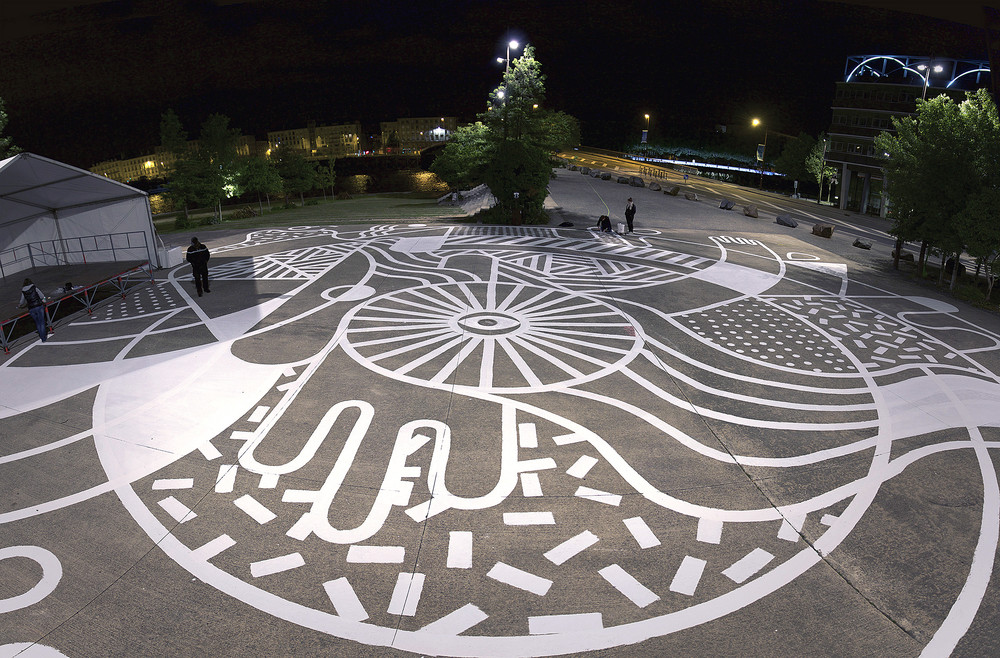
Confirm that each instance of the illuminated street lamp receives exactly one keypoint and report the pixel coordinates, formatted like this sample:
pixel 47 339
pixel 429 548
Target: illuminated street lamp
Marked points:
pixel 645 133
pixel 761 148
pixel 511 45
pixel 927 76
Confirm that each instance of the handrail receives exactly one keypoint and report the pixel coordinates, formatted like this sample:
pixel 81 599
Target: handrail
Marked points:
pixel 78 251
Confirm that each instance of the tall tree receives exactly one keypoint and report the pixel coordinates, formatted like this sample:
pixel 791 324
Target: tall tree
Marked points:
pixel 259 176
pixel 297 174
pixel 817 167
pixel 326 177
pixel 510 147
pixel 792 161
pixel 7 148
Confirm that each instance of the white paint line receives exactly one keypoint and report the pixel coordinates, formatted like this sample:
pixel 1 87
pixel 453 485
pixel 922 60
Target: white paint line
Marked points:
pixel 528 518
pixel 207 551
pixel 515 577
pixel 829 519
pixel 742 569
pixel 688 575
pixel 530 486
pixel 376 554
pixel 582 466
pixel 288 372
pixel 209 451
pixel 571 547
pixel 536 464
pixel 622 581
pixel 241 436
pixel 276 565
pixel 268 481
pixel 254 509
pixel 526 435
pixel 577 623
pixel 456 622
pixel 299 496
pixel 176 509
pixel 565 439
pixel 258 414
pixel 599 496
pixel 345 601
pixel 175 483
pixel 459 549
pixel 790 528
pixel 709 531
pixel 406 594
pixel 227 478
pixel 641 532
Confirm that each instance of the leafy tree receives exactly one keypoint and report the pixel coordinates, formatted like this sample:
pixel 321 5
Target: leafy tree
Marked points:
pixel 7 148
pixel 297 174
pixel 326 177
pixel 817 167
pixel 940 166
pixel 258 175
pixel 509 148
pixel 173 137
pixel 217 144
pixel 792 161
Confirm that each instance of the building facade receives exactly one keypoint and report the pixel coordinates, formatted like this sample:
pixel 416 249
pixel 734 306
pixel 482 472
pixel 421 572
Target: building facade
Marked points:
pixel 875 89
pixel 416 133
pixel 319 142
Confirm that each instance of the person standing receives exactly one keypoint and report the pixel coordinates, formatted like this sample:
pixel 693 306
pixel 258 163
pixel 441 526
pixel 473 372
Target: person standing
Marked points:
pixel 198 255
pixel 629 213
pixel 33 298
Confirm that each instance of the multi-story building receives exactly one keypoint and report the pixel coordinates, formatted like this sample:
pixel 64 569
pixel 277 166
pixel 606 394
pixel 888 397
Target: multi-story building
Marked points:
pixel 319 142
pixel 417 133
pixel 875 89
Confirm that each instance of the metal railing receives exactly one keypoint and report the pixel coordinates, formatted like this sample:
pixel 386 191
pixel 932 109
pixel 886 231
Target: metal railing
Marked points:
pixel 131 245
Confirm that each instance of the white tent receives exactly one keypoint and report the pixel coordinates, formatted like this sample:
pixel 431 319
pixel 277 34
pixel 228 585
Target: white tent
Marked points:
pixel 53 214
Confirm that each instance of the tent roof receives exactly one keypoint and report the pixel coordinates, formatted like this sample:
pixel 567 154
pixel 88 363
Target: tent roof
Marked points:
pixel 31 186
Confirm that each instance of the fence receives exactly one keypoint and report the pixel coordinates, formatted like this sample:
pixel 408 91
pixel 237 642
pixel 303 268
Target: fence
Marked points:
pixel 131 245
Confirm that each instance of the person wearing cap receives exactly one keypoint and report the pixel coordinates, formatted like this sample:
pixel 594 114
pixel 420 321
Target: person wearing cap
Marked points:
pixel 33 298
pixel 198 255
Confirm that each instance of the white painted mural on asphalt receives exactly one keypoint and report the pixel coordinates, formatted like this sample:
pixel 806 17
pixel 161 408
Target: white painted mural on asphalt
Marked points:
pixel 529 326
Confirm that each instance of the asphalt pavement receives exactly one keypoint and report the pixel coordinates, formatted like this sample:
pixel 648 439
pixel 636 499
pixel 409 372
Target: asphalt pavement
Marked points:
pixel 715 436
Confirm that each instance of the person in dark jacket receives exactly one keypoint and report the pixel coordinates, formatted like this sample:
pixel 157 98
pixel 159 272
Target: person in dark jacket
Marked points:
pixel 197 255
pixel 33 298
pixel 629 213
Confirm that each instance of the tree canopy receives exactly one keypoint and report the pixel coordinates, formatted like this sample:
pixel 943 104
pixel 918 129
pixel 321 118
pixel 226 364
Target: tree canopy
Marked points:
pixel 7 148
pixel 509 148
pixel 942 174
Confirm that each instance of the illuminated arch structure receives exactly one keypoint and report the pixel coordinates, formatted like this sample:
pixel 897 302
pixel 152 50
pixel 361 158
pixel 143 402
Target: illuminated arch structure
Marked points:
pixel 876 88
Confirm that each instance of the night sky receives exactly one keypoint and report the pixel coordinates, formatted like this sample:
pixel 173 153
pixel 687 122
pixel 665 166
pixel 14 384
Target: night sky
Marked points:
pixel 88 81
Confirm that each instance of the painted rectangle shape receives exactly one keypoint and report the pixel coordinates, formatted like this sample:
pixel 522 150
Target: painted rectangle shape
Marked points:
pixel 631 588
pixel 688 576
pixel 177 510
pixel 566 439
pixel 599 496
pixel 576 623
pixel 527 437
pixel 211 549
pixel 742 569
pixel 227 478
pixel 709 531
pixel 344 599
pixel 456 622
pixel 406 594
pixel 276 565
pixel 571 547
pixel 643 535
pixel 254 509
pixel 515 577
pixel 268 481
pixel 459 549
pixel 582 466
pixel 173 483
pixel 209 451
pixel 530 486
pixel 536 464
pixel 528 518
pixel 376 554
pixel 258 414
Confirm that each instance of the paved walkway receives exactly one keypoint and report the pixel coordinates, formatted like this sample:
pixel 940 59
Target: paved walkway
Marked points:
pixel 714 436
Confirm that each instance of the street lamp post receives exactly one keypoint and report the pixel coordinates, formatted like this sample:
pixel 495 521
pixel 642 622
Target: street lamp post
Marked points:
pixel 927 76
pixel 760 153
pixel 512 44
pixel 645 133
